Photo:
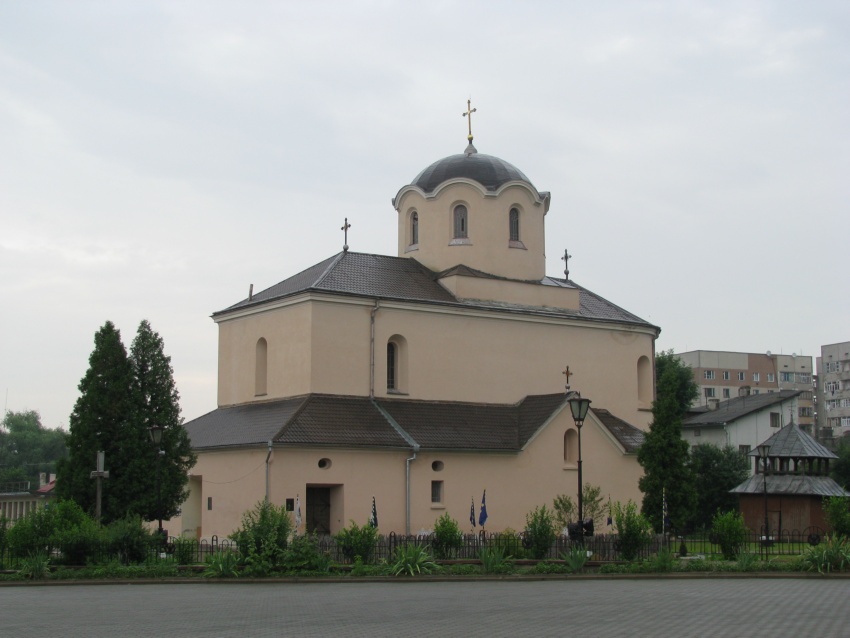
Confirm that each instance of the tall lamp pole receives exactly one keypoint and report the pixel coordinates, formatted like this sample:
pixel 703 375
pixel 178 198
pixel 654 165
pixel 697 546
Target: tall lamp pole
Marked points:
pixel 579 408
pixel 156 437
pixel 764 451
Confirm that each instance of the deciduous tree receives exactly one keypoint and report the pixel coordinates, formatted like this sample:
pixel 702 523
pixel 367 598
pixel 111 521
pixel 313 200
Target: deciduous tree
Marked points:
pixel 27 448
pixel 716 471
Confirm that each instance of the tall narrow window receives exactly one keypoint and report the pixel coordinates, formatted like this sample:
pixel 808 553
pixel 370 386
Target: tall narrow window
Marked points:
pixel 514 224
pixel 436 492
pixel 261 368
pixel 392 361
pixel 461 230
pixel 414 228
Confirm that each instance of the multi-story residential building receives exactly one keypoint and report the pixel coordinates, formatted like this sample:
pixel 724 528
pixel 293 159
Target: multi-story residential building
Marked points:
pixel 726 375
pixel 833 391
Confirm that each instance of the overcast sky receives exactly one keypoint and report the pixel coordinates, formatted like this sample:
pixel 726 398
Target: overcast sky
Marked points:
pixel 156 158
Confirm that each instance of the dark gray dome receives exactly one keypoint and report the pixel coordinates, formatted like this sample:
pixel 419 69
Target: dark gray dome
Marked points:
pixel 491 172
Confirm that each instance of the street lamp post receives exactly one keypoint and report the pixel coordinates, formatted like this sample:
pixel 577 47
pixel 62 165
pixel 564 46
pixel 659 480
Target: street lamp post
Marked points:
pixel 579 408
pixel 764 451
pixel 156 437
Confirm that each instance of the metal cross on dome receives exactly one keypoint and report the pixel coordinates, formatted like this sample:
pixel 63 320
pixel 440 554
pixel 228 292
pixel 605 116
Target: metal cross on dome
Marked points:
pixel 468 114
pixel 345 228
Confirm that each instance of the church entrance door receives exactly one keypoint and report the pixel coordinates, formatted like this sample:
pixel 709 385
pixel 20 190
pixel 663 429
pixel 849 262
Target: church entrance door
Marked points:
pixel 318 508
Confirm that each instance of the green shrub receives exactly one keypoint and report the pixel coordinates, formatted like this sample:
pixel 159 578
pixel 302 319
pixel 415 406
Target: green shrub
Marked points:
pixel 185 551
pixel 4 526
pixel 447 538
pixel 305 555
pixel 634 531
pixel 223 564
pixel 730 532
pixel 835 509
pixel 82 543
pixel 36 566
pixel 411 559
pixel 510 542
pixel 129 540
pixel 354 541
pixel 833 555
pixel 575 559
pixel 494 561
pixel 548 567
pixel 747 561
pixel 539 531
pixel 663 561
pixel 263 538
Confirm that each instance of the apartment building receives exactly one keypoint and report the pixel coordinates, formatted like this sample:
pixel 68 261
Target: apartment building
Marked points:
pixel 833 391
pixel 725 375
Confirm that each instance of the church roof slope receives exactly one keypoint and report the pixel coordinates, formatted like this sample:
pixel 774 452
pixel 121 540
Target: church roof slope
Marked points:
pixel 249 424
pixel 734 409
pixel 630 437
pixel 403 279
pixel 793 442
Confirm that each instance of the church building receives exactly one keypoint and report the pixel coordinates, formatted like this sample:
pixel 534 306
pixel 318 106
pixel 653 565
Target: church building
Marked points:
pixel 423 379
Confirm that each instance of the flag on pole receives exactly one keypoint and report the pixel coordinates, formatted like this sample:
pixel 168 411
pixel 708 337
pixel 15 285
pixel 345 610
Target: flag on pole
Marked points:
pixel 482 517
pixel 472 512
pixel 373 519
pixel 297 511
pixel 666 519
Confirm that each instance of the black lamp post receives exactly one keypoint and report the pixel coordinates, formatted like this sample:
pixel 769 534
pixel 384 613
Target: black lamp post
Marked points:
pixel 764 451
pixel 156 437
pixel 579 407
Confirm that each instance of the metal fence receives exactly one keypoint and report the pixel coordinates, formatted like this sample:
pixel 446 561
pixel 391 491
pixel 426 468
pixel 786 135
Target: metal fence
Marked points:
pixel 602 547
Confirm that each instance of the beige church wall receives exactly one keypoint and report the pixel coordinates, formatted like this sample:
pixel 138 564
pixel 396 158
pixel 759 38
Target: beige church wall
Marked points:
pixel 512 292
pixel 341 347
pixel 489 233
pixel 515 483
pixel 287 331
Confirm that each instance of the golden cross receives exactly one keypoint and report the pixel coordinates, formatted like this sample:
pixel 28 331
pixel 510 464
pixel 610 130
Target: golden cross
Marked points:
pixel 567 374
pixel 566 259
pixel 468 114
pixel 345 228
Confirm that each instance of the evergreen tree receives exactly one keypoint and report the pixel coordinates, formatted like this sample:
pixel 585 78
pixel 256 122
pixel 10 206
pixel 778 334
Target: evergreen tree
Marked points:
pixel 664 454
pixel 716 471
pixel 158 483
pixel 99 421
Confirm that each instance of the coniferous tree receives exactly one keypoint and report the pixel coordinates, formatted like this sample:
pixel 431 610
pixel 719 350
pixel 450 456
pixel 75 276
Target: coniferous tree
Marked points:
pixel 716 471
pixel 156 402
pixel 664 454
pixel 99 421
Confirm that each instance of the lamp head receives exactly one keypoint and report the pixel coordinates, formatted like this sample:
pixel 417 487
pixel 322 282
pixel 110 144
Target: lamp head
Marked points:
pixel 156 433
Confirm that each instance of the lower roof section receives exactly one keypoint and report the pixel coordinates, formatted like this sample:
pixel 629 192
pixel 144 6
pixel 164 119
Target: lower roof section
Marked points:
pixel 320 420
pixel 791 484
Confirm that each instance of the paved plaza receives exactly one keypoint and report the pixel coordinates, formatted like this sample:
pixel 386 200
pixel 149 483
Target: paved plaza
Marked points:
pixel 579 607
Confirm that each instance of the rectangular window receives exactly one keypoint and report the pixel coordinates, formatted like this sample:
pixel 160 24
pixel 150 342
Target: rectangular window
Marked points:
pixel 436 491
pixel 756 376
pixel 806 395
pixel 709 393
pixel 740 376
pixel 770 377
pixel 209 502
pixel 756 391
pixel 744 449
pixel 832 386
pixel 725 375
pixel 708 374
pixel 806 412
pixel 774 419
pixel 804 377
pixel 725 393
pixel 786 377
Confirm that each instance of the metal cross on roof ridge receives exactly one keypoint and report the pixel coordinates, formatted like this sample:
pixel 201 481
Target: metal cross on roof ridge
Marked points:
pixel 566 259
pixel 345 228
pixel 567 374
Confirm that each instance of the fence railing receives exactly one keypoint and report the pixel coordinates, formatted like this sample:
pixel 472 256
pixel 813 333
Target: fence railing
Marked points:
pixel 602 547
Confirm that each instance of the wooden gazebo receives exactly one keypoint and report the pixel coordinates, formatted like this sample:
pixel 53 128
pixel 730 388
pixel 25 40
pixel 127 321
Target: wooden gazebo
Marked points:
pixel 790 494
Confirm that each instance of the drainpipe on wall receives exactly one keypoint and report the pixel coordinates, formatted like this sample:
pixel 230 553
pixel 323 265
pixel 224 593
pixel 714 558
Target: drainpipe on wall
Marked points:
pixel 407 482
pixel 372 350
pixel 268 456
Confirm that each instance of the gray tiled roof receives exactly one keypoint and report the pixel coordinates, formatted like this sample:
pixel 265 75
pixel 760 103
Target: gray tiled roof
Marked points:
pixel 733 409
pixel 630 437
pixel 796 484
pixel 792 442
pixel 347 421
pixel 404 279
pixel 489 171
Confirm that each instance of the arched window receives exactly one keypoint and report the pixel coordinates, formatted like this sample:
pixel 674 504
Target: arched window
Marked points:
pixel 414 228
pixel 513 218
pixel 392 366
pixel 261 368
pixel 644 381
pixel 571 446
pixel 461 231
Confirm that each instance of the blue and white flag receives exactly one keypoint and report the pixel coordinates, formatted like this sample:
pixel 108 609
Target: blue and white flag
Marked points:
pixel 373 519
pixel 472 512
pixel 482 517
pixel 297 512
